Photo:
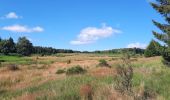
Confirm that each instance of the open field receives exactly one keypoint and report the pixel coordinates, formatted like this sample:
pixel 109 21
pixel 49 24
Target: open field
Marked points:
pixel 36 77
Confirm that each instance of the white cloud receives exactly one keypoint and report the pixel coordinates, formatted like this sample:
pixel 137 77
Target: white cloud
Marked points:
pixel 21 28
pixel 12 15
pixel 137 45
pixel 37 29
pixel 91 34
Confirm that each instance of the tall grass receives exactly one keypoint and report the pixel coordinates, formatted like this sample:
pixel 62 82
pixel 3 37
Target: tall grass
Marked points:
pixel 66 89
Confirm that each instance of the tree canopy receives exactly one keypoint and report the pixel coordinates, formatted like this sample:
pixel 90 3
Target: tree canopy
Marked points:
pixel 163 7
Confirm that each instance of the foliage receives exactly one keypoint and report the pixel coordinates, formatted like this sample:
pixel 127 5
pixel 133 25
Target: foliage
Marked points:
pixel 24 46
pixel 163 7
pixel 124 76
pixel 7 46
pixel 60 71
pixel 75 70
pixel 103 63
pixel 119 51
pixel 64 89
pixel 153 49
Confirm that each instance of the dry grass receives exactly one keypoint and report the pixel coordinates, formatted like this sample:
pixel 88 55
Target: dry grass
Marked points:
pixel 33 76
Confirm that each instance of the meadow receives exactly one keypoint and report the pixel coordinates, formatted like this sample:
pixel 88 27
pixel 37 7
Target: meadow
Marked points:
pixel 47 78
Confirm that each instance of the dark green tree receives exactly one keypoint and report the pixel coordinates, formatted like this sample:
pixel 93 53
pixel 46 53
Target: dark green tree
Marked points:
pixel 24 46
pixel 7 46
pixel 163 7
pixel 12 45
pixel 153 49
pixel 4 47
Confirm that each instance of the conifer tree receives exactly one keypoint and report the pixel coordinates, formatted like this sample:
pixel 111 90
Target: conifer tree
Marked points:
pixel 153 49
pixel 163 7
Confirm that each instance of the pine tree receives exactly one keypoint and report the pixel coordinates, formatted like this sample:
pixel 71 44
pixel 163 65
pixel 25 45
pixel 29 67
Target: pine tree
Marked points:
pixel 163 7
pixel 153 49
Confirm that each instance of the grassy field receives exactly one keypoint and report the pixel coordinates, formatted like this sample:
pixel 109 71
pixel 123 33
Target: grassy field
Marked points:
pixel 36 78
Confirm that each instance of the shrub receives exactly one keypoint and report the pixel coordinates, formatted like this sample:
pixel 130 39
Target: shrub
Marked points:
pixel 75 70
pixel 124 76
pixel 60 71
pixel 13 67
pixel 103 63
pixel 68 61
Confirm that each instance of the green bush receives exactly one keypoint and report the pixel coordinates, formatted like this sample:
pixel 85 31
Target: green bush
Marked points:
pixel 75 70
pixel 103 63
pixel 60 71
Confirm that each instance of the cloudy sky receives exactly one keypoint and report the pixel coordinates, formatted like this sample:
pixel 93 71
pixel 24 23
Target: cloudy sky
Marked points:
pixel 79 24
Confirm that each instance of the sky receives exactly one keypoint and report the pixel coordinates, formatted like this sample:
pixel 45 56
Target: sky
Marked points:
pixel 79 24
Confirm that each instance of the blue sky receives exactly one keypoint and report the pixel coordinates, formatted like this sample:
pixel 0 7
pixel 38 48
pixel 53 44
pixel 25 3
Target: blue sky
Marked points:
pixel 79 24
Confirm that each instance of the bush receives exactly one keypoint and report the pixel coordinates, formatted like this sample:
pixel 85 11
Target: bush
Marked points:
pixel 75 70
pixel 13 67
pixel 60 71
pixel 68 61
pixel 124 76
pixel 103 63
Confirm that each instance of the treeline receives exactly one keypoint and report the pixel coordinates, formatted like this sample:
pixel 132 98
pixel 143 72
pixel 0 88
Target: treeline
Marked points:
pixel 120 51
pixel 24 47
pixel 50 50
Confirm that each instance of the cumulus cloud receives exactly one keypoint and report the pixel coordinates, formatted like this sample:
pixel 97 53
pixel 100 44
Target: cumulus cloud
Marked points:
pixel 91 34
pixel 21 28
pixel 137 45
pixel 12 15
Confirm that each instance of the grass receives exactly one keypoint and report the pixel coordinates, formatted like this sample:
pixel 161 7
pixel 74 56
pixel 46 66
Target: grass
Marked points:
pixel 150 71
pixel 11 58
pixel 7 60
pixel 15 60
pixel 67 89
pixel 159 82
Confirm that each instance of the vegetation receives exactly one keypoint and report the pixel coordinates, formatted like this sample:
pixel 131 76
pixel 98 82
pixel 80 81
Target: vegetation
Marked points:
pixel 119 51
pixel 68 61
pixel 13 67
pixel 103 63
pixel 163 7
pixel 60 71
pixel 148 79
pixel 75 70
pixel 124 76
pixel 27 76
pixel 153 49
pixel 7 46
pixel 24 46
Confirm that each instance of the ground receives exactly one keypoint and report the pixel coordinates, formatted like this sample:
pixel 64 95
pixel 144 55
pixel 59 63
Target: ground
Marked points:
pixel 36 78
